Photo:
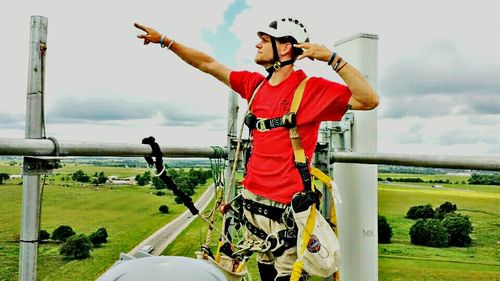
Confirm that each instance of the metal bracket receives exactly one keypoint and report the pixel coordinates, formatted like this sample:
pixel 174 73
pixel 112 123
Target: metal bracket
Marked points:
pixel 244 147
pixel 342 133
pixel 321 156
pixel 33 166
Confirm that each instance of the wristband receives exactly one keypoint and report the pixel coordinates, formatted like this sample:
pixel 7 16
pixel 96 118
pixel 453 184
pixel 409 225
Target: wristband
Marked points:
pixel 170 44
pixel 341 67
pixel 334 67
pixel 162 42
pixel 332 58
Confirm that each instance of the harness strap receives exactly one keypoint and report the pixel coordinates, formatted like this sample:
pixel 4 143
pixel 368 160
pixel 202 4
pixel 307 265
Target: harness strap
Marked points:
pixel 162 174
pixel 286 237
pixel 274 213
pixel 298 265
pixel 263 124
pixel 298 151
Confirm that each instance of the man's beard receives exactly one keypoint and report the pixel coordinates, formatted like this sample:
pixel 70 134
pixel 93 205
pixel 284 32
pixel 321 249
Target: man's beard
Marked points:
pixel 262 61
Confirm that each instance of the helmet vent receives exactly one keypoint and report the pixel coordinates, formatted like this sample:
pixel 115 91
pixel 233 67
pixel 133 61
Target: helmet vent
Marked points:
pixel 274 25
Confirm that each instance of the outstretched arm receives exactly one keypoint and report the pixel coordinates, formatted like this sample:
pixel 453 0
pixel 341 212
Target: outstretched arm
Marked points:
pixel 363 96
pixel 192 56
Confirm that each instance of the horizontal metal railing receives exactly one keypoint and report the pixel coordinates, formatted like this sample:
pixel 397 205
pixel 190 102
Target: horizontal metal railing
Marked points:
pixel 434 161
pixel 46 147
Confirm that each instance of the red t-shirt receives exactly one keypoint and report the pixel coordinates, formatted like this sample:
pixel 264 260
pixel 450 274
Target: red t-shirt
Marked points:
pixel 271 170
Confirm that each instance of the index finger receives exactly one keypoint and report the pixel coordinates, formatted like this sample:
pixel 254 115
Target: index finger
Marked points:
pixel 141 27
pixel 300 45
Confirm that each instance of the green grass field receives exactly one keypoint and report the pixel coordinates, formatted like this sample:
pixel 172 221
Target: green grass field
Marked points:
pixel 130 214
pixel 481 261
pixel 403 261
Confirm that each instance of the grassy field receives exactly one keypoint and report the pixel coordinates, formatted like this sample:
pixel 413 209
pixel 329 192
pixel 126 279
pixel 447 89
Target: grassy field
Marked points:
pixel 481 261
pixel 130 214
pixel 403 261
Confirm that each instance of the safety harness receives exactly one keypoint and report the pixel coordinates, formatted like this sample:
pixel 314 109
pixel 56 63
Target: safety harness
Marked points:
pixel 286 238
pixel 289 120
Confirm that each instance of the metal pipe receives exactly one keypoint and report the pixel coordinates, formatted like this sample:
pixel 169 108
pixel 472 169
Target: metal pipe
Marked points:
pixel 31 202
pixel 436 161
pixel 46 147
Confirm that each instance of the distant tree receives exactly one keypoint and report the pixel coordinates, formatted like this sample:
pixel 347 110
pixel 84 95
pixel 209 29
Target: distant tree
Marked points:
pixel 76 247
pixel 143 179
pixel 62 233
pixel 99 237
pixel 185 184
pixel 4 176
pixel 429 232
pixel 459 228
pixel 173 173
pixel 159 193
pixel 164 209
pixel 444 209
pixel 43 235
pixel 158 183
pixel 384 230
pixel 99 178
pixel 80 176
pixel 486 179
pixel 199 175
pixel 420 212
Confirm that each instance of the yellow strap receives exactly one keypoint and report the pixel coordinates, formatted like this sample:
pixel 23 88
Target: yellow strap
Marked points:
pixel 327 180
pixel 298 151
pixel 324 178
pixel 297 97
pixel 306 236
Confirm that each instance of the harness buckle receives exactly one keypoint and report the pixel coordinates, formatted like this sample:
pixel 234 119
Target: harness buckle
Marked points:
pixel 261 126
pixel 275 237
pixel 277 65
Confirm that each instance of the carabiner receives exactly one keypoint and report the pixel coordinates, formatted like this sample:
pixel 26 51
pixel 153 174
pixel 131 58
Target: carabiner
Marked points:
pixel 261 126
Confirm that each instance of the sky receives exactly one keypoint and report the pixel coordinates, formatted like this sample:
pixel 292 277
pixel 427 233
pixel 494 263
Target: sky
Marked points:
pixel 438 68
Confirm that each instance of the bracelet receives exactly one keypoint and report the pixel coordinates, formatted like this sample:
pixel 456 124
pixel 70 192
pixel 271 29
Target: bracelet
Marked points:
pixel 334 67
pixel 341 67
pixel 170 44
pixel 332 58
pixel 162 42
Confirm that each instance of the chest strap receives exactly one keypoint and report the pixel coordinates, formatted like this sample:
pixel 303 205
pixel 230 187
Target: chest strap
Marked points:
pixel 263 124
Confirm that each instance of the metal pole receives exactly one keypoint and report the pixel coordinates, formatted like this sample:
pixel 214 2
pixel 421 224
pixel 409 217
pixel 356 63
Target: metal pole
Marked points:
pixel 46 147
pixel 30 221
pixel 232 126
pixel 357 216
pixel 436 161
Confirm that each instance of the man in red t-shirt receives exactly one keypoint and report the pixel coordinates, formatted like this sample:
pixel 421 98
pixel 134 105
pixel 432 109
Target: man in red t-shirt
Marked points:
pixel 272 177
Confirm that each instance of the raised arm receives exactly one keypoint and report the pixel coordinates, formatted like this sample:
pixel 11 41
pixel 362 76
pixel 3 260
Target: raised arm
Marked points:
pixel 192 56
pixel 363 96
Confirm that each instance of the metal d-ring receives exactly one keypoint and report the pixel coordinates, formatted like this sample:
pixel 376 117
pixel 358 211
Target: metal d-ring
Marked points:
pixel 260 125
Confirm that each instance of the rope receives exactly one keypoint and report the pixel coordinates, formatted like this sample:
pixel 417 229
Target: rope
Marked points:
pixel 217 165
pixel 238 145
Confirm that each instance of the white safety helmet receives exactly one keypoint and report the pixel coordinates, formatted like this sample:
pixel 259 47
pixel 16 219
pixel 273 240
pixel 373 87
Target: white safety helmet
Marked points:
pixel 286 27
